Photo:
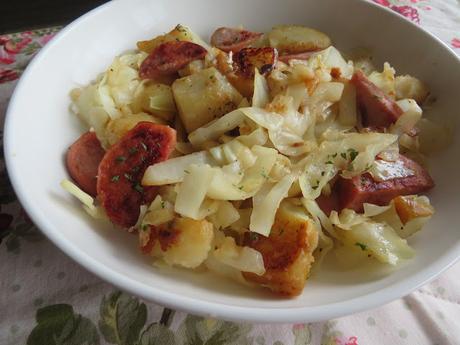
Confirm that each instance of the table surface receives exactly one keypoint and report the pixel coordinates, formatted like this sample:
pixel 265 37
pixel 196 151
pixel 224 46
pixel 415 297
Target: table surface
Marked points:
pixel 25 14
pixel 46 298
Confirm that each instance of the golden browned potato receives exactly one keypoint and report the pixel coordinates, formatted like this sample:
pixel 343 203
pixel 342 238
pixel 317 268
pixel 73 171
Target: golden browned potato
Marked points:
pixel 240 71
pixel 183 242
pixel 297 39
pixel 203 97
pixel 287 252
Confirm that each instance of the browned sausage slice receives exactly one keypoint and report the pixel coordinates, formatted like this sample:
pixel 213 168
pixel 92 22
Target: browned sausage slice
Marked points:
pixel 121 170
pixel 328 203
pixel 170 57
pixel 82 161
pixel 364 189
pixel 229 39
pixel 377 109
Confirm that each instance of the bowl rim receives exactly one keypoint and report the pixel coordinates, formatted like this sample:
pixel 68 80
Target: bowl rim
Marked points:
pixel 191 304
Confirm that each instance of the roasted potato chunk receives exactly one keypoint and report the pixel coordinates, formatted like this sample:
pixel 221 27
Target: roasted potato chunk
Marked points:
pixel 240 72
pixel 203 97
pixel 183 242
pixel 287 252
pixel 297 39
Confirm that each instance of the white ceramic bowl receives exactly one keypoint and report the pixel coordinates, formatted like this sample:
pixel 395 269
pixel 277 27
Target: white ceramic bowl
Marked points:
pixel 39 129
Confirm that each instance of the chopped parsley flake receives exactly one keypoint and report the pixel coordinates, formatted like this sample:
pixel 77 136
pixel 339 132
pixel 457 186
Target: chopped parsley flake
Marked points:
pixel 329 162
pixel 115 178
pixel 360 245
pixel 353 154
pixel 138 188
pixel 163 204
pixel 323 173
pixel 186 171
pixel 343 155
pixel 253 236
pixel 120 159
pixel 334 155
pixel 128 177
pixel 132 150
pixel 145 227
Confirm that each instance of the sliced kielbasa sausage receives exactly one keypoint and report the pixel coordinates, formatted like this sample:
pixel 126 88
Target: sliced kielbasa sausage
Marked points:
pixel 82 161
pixel 229 39
pixel 352 193
pixel 377 109
pixel 170 57
pixel 123 166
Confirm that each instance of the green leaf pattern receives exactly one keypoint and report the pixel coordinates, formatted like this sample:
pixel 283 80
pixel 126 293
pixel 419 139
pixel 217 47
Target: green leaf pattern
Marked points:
pixel 59 325
pixel 122 318
pixel 122 321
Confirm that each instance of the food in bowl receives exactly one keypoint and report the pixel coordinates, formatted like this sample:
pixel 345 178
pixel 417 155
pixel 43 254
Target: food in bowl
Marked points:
pixel 255 156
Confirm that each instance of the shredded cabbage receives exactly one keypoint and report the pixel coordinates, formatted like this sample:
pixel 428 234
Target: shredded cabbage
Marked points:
pixel 159 212
pixel 173 170
pixel 263 213
pixel 244 259
pixel 192 191
pixel 412 113
pixel 261 96
pixel 385 80
pixel 86 200
pixel 378 239
pixel 217 128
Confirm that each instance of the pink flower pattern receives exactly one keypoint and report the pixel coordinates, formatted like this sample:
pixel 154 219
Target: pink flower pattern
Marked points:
pixel 455 42
pixel 353 340
pixel 17 49
pixel 410 10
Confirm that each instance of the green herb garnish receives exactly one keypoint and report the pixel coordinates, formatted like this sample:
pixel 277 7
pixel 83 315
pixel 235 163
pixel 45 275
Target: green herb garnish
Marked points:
pixel 120 159
pixel 253 236
pixel 115 178
pixel 132 150
pixel 360 245
pixel 138 188
pixel 353 154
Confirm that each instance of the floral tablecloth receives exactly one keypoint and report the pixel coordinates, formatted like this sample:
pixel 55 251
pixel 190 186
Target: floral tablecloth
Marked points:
pixel 47 299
